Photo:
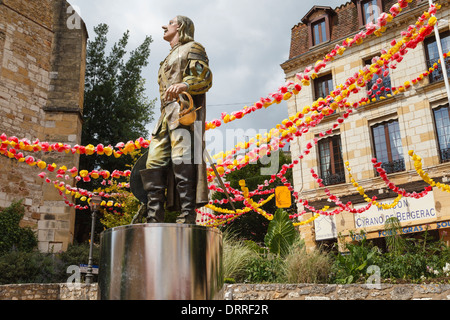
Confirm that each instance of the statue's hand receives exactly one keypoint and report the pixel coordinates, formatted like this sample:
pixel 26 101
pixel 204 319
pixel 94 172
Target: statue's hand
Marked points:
pixel 174 91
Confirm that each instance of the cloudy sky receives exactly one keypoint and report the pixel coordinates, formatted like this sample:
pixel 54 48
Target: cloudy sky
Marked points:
pixel 246 41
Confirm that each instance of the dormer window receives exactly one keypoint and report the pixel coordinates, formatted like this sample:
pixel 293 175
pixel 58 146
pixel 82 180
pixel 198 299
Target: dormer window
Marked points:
pixel 368 11
pixel 319 25
pixel 319 30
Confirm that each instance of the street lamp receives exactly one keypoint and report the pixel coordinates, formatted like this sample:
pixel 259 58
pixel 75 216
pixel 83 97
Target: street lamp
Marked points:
pixel 94 204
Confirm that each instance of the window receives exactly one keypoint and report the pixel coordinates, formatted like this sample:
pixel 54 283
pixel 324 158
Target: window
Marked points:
pixel 319 21
pixel 323 86
pixel 432 55
pixel 331 163
pixel 319 30
pixel 382 88
pixel 388 146
pixel 442 121
pixel 371 10
pixel 368 11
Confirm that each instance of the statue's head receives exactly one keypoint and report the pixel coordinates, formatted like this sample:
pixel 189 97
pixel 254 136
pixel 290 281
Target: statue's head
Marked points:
pixel 186 29
pixel 179 30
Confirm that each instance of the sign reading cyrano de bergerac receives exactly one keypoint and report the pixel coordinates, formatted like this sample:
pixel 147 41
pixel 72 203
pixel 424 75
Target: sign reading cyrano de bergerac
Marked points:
pixel 407 210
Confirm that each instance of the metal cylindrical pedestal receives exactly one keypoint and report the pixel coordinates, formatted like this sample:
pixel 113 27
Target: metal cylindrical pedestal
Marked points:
pixel 161 262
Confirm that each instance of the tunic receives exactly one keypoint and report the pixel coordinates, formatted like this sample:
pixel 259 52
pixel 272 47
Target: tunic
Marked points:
pixel 186 63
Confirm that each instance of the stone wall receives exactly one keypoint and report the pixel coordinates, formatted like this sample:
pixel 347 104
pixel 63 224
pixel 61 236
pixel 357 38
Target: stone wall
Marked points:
pixel 337 292
pixel 42 65
pixel 52 291
pixel 65 291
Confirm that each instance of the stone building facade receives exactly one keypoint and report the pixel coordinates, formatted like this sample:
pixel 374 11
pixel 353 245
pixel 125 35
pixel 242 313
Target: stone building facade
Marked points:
pixel 385 129
pixel 42 66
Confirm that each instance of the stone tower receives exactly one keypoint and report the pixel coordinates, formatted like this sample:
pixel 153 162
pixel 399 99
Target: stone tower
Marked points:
pixel 42 67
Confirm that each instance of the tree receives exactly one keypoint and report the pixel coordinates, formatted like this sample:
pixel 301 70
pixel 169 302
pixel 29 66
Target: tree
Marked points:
pixel 116 108
pixel 12 236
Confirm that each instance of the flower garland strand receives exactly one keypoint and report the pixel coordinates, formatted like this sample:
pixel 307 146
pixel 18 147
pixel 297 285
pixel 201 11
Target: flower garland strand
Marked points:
pixel 297 224
pixel 346 114
pixel 361 191
pixel 310 146
pixel 89 150
pixel 418 167
pixel 340 95
pixel 130 146
pixel 284 93
pixel 230 215
pixel 251 204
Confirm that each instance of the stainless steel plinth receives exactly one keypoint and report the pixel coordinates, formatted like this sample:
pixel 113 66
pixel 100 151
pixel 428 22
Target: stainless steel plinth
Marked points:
pixel 160 262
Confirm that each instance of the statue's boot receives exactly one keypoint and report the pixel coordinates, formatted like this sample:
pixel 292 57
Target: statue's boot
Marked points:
pixel 154 182
pixel 185 180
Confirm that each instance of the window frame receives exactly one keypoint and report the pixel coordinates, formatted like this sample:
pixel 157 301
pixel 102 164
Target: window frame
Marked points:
pixel 323 18
pixel 387 142
pixel 319 36
pixel 320 79
pixel 440 151
pixel 337 169
pixel 361 14
pixel 432 39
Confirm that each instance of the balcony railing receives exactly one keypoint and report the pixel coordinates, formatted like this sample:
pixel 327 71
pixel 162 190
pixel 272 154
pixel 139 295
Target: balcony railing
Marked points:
pixel 394 166
pixel 331 179
pixel 437 75
pixel 445 155
pixel 386 84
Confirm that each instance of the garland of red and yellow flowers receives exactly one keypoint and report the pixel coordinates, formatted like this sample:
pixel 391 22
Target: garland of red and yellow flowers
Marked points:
pixel 409 36
pixel 352 85
pixel 85 175
pixel 293 126
pixel 284 93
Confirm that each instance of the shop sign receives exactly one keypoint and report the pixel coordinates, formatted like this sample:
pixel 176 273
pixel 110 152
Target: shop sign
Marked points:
pixel 407 210
pixel 404 230
pixel 325 227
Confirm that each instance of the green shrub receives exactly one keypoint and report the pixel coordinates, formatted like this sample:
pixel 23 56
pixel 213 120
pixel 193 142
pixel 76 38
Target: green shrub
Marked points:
pixel 246 261
pixel 407 266
pixel 77 254
pixel 265 269
pixel 419 258
pixel 229 280
pixel 409 259
pixel 37 267
pixel 12 236
pixel 237 254
pixel 303 266
pixel 351 266
pixel 30 267
pixel 281 233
